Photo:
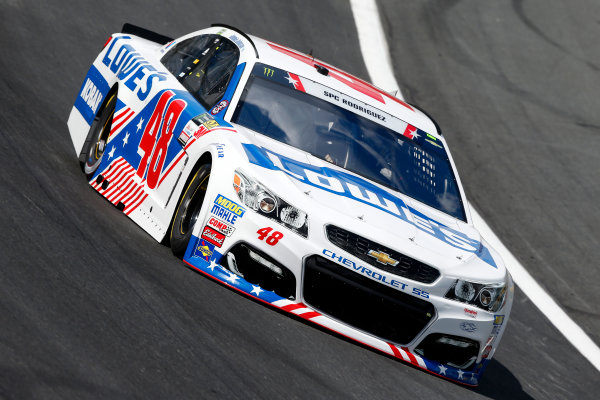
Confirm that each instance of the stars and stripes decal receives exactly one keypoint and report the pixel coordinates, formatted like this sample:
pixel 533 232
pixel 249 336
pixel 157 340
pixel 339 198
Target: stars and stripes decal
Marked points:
pixel 295 81
pixel 123 174
pixel 411 132
pixel 300 309
pixel 120 186
pixel 120 119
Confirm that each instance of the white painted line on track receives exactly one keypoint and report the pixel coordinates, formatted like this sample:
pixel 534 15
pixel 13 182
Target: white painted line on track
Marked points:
pixel 375 51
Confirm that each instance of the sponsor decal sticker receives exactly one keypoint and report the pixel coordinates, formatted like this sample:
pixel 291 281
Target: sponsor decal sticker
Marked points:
pixel 219 107
pixel 187 133
pixel 213 236
pixel 190 128
pixel 91 94
pixel 470 313
pixel 468 326
pixel 237 41
pixel 227 210
pixel 220 226
pixel 220 150
pixel 223 214
pixel 268 72
pixel 498 320
pixel 203 249
pixel 230 205
pixel 207 120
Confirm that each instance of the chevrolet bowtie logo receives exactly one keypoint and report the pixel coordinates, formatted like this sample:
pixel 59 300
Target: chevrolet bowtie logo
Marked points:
pixel 382 258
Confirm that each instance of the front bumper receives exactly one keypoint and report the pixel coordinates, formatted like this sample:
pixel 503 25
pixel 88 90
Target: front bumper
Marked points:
pixel 332 289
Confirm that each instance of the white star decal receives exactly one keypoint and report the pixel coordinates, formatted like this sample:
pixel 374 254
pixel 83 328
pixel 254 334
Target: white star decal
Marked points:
pixel 473 377
pixel 232 278
pixel 212 265
pixel 442 370
pixel 125 139
pixel 111 153
pixel 460 374
pixel 139 125
pixel 415 134
pixel 292 80
pixel 256 289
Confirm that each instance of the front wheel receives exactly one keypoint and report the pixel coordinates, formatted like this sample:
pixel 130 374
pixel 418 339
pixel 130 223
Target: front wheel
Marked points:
pixel 188 210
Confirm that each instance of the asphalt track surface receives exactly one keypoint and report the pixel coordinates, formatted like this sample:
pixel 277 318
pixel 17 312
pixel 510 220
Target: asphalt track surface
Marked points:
pixel 92 307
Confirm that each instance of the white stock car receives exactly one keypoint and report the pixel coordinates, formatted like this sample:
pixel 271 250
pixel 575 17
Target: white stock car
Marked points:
pixel 298 184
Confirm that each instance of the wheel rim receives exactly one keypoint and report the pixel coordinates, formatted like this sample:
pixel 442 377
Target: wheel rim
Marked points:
pixel 97 145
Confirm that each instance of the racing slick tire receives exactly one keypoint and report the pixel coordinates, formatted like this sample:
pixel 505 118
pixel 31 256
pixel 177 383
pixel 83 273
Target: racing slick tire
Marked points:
pixel 188 210
pixel 95 143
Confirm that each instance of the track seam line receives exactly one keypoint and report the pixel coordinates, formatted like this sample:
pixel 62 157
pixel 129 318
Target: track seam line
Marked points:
pixel 376 56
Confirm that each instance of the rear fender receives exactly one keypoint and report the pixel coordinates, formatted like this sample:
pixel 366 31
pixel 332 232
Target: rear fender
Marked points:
pixel 92 94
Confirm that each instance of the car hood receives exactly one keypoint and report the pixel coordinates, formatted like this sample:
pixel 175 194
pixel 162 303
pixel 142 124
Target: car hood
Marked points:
pixel 345 199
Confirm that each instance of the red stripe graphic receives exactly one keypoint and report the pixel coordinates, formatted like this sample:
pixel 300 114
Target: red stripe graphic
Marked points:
pixel 119 181
pixel 292 307
pixel 134 195
pixel 136 205
pixel 120 114
pixel 114 167
pixel 410 356
pixel 310 315
pixel 122 193
pixel 117 126
pixel 395 351
pixel 109 178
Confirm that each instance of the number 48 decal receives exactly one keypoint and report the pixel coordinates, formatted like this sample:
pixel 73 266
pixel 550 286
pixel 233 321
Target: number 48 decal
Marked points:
pixel 271 239
pixel 153 151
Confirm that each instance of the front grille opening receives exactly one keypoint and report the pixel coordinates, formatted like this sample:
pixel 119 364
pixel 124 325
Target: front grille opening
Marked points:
pixel 359 247
pixel 363 303
pixel 258 268
pixel 455 351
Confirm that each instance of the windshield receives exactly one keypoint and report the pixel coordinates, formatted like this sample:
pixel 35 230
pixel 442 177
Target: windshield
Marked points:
pixel 343 131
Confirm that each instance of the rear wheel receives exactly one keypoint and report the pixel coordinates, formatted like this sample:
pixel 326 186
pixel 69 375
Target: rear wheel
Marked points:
pixel 188 210
pixel 95 144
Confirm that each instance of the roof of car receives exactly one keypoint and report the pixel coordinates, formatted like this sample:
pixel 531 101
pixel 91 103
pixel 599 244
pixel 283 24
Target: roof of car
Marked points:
pixel 307 66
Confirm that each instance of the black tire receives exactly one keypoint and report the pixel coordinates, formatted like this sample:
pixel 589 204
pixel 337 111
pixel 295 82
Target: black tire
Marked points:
pixel 188 210
pixel 95 143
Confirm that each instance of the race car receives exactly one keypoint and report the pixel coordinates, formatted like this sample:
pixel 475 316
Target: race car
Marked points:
pixel 298 184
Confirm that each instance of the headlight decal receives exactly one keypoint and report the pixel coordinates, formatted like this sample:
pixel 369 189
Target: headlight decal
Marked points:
pixel 487 296
pixel 257 197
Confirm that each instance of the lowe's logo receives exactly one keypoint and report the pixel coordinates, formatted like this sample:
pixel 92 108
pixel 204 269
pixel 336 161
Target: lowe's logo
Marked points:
pixel 91 95
pixel 131 67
